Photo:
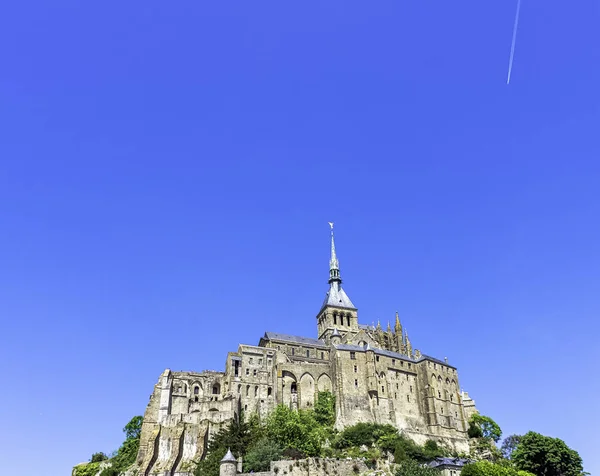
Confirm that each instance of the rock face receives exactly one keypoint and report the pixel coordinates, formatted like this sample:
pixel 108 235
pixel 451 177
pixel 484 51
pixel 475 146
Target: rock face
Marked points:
pixel 375 375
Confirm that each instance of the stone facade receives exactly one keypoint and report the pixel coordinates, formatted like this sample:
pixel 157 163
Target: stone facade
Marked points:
pixel 375 374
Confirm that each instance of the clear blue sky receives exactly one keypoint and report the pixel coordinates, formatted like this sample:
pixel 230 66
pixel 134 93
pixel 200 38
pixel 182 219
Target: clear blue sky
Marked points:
pixel 168 170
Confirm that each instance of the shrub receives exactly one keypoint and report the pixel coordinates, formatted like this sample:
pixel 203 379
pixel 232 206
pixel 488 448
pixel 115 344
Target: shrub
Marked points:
pixel 259 456
pixel 364 434
pixel 97 457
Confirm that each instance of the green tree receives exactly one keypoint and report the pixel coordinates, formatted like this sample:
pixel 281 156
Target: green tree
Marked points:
pixel 546 456
pixel 365 434
pixel 133 429
pixel 483 426
pixel 487 468
pixel 411 467
pixel 325 409
pixel 295 429
pixel 259 456
pixel 509 445
pixel 97 457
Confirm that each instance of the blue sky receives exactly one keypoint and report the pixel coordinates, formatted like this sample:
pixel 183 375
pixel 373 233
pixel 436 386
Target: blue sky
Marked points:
pixel 168 169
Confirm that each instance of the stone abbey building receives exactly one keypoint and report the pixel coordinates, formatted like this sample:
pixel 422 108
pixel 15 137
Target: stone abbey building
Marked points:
pixel 376 376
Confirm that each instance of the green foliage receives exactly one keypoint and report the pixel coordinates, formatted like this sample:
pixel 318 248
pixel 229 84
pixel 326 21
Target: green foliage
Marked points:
pixel 126 454
pixel 299 430
pixel 325 409
pixel 546 456
pixel 483 426
pixel 133 429
pixel 364 434
pixel 86 469
pixel 411 467
pixel 110 471
pixel 97 457
pixel 260 455
pixel 407 449
pixel 487 468
pixel 509 445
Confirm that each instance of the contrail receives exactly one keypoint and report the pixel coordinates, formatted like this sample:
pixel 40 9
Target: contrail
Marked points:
pixel 514 42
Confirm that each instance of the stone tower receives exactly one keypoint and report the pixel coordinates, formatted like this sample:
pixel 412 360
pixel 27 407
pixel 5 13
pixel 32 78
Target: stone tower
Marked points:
pixel 337 311
pixel 228 465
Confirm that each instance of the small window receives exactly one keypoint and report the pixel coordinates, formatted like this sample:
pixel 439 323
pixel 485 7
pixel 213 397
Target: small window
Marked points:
pixel 435 366
pixel 269 391
pixel 355 369
pixel 254 372
pixel 397 387
pixel 322 355
pixel 409 365
pixel 396 396
pixel 239 389
pixel 293 351
pixel 278 347
pixel 269 362
pixel 294 388
pixel 382 389
pixel 251 360
pixel 216 389
pixel 245 408
pixel 442 411
pixel 195 399
pixel 411 389
pixel 401 363
pixel 348 320
pixel 451 399
pixel 353 355
pixel 256 391
pixel 393 361
pixel 408 398
pixel 247 371
pixel 247 390
pixel 308 353
pixel 355 383
pixel 196 390
pixel 377 358
pixel 259 361
pixel 456 414
pixel 439 394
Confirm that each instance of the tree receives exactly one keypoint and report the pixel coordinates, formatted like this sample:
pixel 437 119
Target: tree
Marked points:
pixel 411 467
pixel 133 429
pixel 483 426
pixel 295 429
pixel 487 468
pixel 509 445
pixel 97 457
pixel 260 455
pixel 325 409
pixel 365 434
pixel 546 456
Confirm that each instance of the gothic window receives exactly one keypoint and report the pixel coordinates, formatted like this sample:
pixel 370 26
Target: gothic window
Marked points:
pixel 353 355
pixel 196 390
pixel 216 389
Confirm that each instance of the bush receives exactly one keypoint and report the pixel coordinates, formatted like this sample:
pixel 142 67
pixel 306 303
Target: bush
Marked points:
pixel 97 457
pixel 411 467
pixel 487 468
pixel 260 455
pixel 87 469
pixel 364 434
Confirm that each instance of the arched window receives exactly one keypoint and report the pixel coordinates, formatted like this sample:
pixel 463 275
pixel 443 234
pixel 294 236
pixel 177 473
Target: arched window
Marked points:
pixel 269 391
pixel 447 381
pixel 216 389
pixel 294 388
pixel 307 353
pixel 196 390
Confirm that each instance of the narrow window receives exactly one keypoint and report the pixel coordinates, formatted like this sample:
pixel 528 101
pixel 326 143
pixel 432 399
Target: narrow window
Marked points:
pixel 196 390
pixel 355 369
pixel 245 408
pixel 401 363
pixel 251 360
pixel 435 366
pixel 397 387
pixel 348 320
pixel 293 351
pixel 216 389
pixel 396 396
pixel 439 394
pixel 239 389
pixel 322 355
pixel 254 372
pixel 382 389
pixel 256 391
pixel 456 414
pixel 269 391
pixel 195 399
pixel 393 361
pixel 409 365
pixel 377 358
pixel 355 383
pixel 247 371
pixel 247 390
pixel 259 361
pixel 294 388
pixel 408 398
pixel 308 353
pixel 353 355
pixel 335 319
pixel 411 389
pixel 442 411
pixel 451 399
pixel 269 362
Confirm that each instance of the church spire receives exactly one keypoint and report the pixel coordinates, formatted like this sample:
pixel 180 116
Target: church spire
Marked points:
pixel 334 265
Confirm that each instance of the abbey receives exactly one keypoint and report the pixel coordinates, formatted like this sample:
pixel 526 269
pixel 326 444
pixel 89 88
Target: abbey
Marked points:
pixel 376 376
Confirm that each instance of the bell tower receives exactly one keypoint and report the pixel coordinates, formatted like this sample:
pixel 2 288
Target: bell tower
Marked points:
pixel 337 311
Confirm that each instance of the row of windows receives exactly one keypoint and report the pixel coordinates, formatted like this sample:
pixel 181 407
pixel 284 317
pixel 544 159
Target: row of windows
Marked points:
pixel 340 318
pixel 443 368
pixel 269 390
pixel 315 356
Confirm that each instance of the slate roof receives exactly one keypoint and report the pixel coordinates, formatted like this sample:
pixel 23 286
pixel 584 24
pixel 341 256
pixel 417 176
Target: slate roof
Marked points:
pixel 456 462
pixel 336 296
pixel 294 339
pixel 229 458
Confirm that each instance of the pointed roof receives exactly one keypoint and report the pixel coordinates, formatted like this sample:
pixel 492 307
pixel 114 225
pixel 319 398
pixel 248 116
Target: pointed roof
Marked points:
pixel 335 333
pixel 336 296
pixel 229 458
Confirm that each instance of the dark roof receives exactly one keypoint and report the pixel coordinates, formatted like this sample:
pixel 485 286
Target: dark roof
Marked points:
pixel 294 339
pixel 456 462
pixel 354 348
pixel 389 353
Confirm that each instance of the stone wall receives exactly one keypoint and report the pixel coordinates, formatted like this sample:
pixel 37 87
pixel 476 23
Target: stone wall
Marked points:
pixel 314 467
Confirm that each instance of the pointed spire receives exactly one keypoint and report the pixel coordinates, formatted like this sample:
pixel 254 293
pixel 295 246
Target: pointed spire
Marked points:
pixel 334 265
pixel 398 325
pixel 389 328
pixel 229 458
pixel 378 325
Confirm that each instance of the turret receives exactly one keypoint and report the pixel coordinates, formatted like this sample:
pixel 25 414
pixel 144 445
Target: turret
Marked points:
pixel 228 465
